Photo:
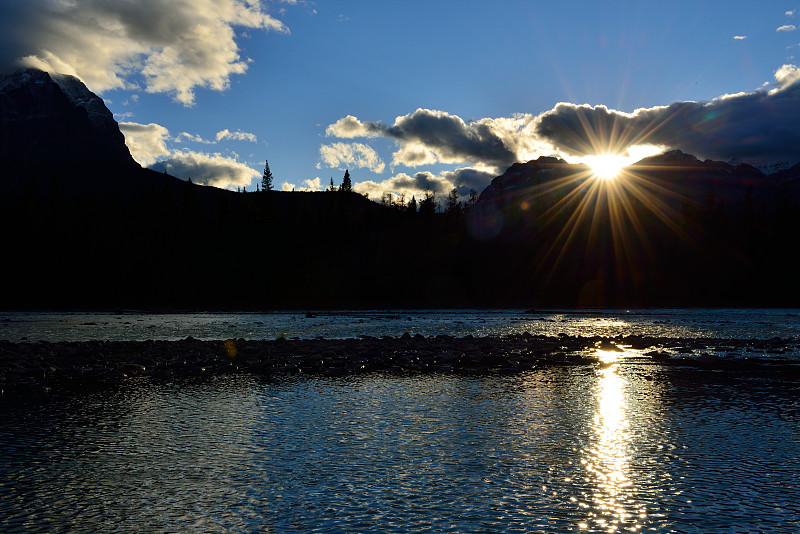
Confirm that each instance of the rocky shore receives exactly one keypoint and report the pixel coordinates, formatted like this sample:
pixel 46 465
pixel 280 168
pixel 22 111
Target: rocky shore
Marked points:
pixel 41 367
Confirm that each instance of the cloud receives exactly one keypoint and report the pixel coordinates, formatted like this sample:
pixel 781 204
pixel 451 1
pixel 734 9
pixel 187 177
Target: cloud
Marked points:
pixel 429 136
pixel 786 76
pixel 148 146
pixel 739 37
pixel 452 139
pixel 786 28
pixel 313 185
pixel 308 185
pixel 790 13
pixel 462 179
pixel 350 127
pixel 207 169
pixel 351 155
pixel 186 136
pixel 763 124
pixel 414 155
pixel 169 47
pixel 146 142
pixel 238 135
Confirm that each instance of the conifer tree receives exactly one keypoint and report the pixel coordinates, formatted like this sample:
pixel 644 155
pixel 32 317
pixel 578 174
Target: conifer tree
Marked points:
pixel 266 180
pixel 427 206
pixel 453 204
pixel 347 185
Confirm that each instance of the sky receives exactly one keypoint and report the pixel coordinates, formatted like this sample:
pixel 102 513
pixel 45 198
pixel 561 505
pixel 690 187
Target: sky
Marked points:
pixel 420 95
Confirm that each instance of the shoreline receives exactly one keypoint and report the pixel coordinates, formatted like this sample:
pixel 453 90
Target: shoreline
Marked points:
pixel 41 367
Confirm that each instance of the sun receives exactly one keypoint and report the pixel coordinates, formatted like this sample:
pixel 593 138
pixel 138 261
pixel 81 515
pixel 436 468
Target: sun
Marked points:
pixel 606 166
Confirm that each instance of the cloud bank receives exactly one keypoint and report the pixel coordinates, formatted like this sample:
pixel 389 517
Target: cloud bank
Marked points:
pixel 760 125
pixel 207 169
pixel 428 136
pixel 166 46
pixel 763 124
pixel 440 185
pixel 148 146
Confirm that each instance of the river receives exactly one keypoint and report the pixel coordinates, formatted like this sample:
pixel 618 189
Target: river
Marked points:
pixel 614 447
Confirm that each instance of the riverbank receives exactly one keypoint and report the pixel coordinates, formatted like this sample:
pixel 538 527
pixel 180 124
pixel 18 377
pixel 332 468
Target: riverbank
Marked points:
pixel 40 367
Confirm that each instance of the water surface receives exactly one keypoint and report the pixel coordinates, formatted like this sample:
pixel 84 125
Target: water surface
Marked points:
pixel 690 323
pixel 621 448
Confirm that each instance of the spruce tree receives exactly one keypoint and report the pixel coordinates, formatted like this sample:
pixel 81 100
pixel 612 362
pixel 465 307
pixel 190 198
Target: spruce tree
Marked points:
pixel 412 205
pixel 347 185
pixel 266 181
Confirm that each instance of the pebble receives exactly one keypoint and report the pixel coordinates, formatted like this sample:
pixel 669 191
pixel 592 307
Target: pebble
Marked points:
pixel 41 366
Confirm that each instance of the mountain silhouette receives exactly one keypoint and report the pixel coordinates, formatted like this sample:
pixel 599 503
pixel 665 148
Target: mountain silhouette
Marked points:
pixel 87 227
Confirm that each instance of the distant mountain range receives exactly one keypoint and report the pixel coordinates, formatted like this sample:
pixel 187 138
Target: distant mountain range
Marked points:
pixel 88 227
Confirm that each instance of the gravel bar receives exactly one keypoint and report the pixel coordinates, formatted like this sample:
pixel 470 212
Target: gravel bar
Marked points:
pixel 41 367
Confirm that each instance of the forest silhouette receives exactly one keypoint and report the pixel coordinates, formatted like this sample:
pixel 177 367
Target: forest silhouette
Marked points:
pixel 135 238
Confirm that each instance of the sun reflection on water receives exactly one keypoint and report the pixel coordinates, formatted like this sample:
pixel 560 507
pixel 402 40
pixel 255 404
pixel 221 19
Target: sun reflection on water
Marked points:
pixel 607 456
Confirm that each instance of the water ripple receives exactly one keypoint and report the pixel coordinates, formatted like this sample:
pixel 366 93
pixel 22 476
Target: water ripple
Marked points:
pixel 597 449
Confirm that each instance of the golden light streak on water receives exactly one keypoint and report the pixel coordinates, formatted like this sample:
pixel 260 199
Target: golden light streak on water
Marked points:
pixel 607 458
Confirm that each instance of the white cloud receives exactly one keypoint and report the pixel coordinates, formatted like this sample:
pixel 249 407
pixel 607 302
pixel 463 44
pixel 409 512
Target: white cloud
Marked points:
pixel 351 155
pixel 171 47
pixel 790 13
pixel 349 127
pixel 786 76
pixel 208 169
pixel 146 142
pixel 739 37
pixel 786 28
pixel 186 136
pixel 308 185
pixel 313 185
pixel 416 185
pixel 414 155
pixel 238 135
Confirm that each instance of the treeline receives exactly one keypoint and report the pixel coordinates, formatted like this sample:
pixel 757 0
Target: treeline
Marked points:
pixel 171 244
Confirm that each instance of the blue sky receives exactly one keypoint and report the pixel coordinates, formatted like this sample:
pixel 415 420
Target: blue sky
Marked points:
pixel 214 89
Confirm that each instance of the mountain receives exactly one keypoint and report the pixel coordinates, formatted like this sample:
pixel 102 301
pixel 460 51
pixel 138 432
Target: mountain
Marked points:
pixel 51 123
pixel 86 227
pixel 677 178
pixel 766 167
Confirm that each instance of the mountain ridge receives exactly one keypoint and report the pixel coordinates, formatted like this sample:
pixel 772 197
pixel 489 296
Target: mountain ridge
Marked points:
pixel 90 228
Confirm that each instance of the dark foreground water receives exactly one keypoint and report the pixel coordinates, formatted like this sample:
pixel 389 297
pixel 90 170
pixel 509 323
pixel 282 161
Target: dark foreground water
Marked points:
pixel 592 448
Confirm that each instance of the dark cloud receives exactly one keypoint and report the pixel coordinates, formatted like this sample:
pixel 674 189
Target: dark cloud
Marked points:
pixel 452 138
pixel 764 124
pixel 466 179
pixel 462 179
